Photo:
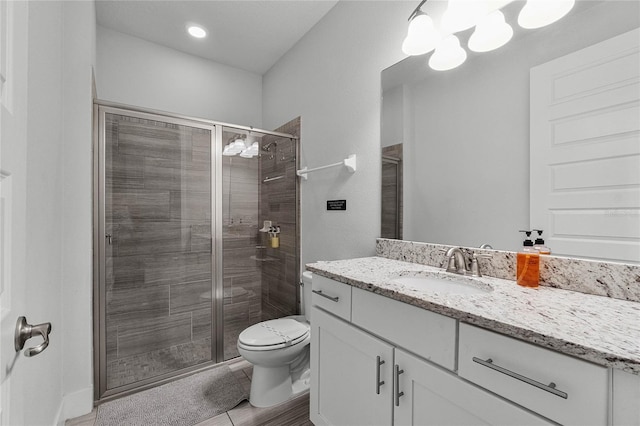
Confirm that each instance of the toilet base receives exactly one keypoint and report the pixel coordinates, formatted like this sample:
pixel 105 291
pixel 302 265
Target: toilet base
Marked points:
pixel 301 384
pixel 270 386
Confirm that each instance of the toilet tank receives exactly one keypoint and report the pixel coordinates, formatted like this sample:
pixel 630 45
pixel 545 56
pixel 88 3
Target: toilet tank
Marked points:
pixel 305 295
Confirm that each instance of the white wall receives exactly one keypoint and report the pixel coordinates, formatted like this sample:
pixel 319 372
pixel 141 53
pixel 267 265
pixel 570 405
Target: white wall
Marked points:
pixel 467 168
pixel 44 207
pixel 78 60
pixel 136 72
pixel 331 78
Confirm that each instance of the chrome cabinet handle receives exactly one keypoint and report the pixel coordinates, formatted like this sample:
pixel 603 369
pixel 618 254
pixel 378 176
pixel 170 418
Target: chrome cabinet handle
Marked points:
pixel 320 293
pixel 26 331
pixel 398 393
pixel 379 383
pixel 551 387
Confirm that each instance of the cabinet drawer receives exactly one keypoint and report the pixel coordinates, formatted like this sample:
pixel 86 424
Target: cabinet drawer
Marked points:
pixel 427 334
pixel 332 296
pixel 433 396
pixel 522 372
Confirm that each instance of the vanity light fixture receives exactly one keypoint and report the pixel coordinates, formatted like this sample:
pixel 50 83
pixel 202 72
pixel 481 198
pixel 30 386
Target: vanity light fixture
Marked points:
pixel 234 147
pixel 538 13
pixel 250 152
pixel 196 31
pixel 238 145
pixel 462 15
pixel 448 54
pixel 422 36
pixel 491 33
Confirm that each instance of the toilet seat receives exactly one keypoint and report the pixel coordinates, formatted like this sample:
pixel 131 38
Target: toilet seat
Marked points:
pixel 273 334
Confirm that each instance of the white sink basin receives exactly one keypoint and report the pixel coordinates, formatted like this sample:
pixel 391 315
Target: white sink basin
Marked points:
pixel 450 285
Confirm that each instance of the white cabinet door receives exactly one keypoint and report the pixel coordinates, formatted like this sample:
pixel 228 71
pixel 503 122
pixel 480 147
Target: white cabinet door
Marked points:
pixel 626 394
pixel 346 380
pixel 432 396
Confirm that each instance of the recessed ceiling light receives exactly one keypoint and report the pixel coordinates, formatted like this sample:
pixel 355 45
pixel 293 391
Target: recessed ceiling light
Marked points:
pixel 196 31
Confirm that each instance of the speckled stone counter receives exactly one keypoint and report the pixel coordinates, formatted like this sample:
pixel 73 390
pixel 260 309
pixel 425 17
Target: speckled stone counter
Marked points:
pixel 611 279
pixel 599 329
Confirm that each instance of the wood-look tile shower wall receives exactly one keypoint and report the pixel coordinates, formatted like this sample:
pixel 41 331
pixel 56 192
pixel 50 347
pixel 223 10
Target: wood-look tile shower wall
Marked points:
pixel 279 204
pixel 159 274
pixel 158 264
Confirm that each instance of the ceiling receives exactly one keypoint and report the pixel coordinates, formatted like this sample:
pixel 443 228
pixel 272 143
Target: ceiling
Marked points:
pixel 250 35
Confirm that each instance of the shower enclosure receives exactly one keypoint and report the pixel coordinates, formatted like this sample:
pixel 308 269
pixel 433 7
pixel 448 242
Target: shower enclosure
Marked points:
pixel 181 265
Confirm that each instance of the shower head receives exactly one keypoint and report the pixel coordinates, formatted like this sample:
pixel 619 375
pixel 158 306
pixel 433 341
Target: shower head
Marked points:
pixel 267 146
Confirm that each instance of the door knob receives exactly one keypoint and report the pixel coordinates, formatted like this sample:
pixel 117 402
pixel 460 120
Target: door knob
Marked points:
pixel 26 331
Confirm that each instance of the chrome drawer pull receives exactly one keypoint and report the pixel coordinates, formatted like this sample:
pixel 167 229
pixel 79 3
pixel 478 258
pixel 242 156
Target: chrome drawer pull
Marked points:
pixel 551 387
pixel 320 293
pixel 379 383
pixel 398 393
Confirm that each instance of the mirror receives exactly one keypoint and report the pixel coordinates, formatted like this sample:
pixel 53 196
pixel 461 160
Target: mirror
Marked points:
pixel 465 132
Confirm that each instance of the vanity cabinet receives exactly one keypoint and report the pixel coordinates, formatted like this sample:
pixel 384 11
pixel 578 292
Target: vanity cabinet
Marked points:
pixel 363 371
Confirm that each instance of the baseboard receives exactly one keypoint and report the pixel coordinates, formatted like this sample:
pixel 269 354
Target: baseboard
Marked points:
pixel 75 404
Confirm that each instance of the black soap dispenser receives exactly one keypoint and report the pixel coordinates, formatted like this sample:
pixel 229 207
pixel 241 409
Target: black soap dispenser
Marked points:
pixel 539 244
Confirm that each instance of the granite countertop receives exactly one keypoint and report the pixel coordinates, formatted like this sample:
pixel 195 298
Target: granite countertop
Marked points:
pixel 599 329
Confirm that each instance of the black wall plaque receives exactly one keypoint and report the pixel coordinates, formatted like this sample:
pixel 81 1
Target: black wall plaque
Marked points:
pixel 336 204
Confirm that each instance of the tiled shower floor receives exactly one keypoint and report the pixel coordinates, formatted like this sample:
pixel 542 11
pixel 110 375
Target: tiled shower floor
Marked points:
pixel 155 363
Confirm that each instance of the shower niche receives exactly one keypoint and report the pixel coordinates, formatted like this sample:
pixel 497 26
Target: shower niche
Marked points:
pixel 181 266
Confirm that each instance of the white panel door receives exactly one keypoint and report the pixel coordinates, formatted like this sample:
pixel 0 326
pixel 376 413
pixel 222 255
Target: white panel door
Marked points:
pixel 585 150
pixel 13 145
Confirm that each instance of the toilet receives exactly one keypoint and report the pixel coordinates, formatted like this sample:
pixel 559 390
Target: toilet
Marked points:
pixel 279 352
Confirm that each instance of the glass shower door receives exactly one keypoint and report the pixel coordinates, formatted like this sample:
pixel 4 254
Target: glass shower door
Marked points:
pixel 157 309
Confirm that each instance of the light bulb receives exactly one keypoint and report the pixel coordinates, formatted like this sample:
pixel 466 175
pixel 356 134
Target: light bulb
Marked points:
pixel 491 33
pixel 448 54
pixel 462 14
pixel 538 13
pixel 422 36
pixel 196 31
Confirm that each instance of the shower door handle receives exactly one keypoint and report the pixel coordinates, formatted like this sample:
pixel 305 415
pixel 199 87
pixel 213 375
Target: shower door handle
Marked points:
pixel 109 238
pixel 25 331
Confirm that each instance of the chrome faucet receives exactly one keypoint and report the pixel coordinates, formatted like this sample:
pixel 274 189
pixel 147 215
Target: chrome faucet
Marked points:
pixel 455 261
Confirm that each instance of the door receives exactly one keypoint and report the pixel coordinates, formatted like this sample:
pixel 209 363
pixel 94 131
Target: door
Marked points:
pixel 155 304
pixel 585 150
pixel 432 396
pixel 351 374
pixel 13 154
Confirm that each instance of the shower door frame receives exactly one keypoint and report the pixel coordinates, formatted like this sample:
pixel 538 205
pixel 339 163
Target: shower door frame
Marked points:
pixel 100 109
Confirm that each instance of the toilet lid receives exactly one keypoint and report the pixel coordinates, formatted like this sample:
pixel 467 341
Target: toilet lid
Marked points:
pixel 274 332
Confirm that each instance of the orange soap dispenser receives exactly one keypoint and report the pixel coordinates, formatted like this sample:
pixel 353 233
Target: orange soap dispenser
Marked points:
pixel 528 266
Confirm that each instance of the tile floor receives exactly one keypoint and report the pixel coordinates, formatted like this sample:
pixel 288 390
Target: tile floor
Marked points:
pixel 294 412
